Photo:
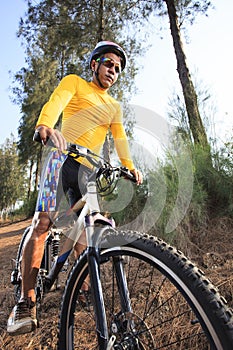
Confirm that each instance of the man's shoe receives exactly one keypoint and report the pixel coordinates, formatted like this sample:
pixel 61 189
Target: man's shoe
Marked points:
pixel 22 318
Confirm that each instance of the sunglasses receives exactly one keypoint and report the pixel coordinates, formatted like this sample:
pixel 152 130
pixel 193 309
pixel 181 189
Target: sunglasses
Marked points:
pixel 109 63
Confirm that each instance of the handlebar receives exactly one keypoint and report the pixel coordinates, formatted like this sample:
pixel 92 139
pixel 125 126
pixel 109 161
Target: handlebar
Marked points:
pixel 103 168
pixel 73 150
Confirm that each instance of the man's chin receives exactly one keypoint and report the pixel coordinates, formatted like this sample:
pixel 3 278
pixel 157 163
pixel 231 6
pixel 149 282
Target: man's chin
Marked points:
pixel 107 85
pixel 108 82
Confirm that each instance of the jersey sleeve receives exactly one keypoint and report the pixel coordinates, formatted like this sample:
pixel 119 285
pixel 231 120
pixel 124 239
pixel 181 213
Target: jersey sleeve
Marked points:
pixel 121 141
pixel 58 101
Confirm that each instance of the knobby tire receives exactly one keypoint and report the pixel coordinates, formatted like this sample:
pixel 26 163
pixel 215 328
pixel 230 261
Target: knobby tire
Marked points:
pixel 174 306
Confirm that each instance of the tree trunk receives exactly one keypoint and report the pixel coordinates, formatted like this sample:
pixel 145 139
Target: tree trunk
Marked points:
pixel 190 96
pixel 30 179
pixel 100 36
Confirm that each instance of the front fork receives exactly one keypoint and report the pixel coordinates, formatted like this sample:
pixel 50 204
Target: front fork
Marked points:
pixel 98 300
pixel 104 342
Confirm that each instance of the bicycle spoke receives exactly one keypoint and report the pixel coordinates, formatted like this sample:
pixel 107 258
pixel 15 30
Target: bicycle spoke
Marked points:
pixel 163 310
pixel 154 301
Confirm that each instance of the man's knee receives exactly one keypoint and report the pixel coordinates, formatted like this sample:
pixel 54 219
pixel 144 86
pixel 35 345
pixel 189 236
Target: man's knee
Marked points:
pixel 41 223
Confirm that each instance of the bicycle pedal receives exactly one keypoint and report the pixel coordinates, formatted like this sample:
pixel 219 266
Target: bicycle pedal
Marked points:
pixel 111 342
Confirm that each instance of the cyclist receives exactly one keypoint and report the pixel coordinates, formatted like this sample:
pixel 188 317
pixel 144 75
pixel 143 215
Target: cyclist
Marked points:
pixel 88 112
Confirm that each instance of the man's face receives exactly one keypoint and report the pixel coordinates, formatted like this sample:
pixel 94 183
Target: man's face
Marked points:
pixel 107 75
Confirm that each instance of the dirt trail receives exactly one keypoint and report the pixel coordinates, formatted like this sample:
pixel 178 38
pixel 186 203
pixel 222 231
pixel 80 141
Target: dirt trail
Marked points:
pixel 45 336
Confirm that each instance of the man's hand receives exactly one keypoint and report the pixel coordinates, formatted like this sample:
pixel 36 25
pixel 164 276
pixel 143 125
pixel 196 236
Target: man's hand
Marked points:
pixel 138 176
pixel 54 135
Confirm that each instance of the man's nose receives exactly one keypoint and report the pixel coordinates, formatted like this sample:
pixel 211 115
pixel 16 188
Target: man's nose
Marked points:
pixel 112 69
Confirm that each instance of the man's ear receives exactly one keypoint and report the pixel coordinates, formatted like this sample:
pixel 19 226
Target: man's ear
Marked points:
pixel 93 62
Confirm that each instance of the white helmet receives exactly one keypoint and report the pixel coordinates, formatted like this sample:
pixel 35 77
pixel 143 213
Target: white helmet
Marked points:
pixel 108 46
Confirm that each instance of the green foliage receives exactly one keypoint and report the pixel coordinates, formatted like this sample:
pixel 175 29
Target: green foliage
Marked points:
pixel 12 175
pixel 216 179
pixel 67 32
pixel 189 9
pixel 37 84
pixel 130 201
pixel 206 104
pixel 212 192
pixel 173 193
pixel 28 208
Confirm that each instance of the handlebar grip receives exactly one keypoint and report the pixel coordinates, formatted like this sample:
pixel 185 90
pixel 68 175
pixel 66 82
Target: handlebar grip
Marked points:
pixel 37 138
pixel 127 174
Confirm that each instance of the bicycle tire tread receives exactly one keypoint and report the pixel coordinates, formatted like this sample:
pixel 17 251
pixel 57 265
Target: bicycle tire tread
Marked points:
pixel 201 283
pixel 195 276
pixel 200 286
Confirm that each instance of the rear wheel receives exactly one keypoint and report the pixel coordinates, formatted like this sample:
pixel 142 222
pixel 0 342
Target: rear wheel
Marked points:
pixel 173 306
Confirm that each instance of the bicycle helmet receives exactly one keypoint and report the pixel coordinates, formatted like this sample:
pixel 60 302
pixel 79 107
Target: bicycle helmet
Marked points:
pixel 108 46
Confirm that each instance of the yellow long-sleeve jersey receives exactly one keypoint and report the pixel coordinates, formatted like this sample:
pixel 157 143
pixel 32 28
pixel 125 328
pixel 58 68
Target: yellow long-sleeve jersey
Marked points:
pixel 87 113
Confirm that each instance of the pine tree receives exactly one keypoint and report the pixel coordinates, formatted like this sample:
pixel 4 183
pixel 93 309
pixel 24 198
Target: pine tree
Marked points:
pixel 12 175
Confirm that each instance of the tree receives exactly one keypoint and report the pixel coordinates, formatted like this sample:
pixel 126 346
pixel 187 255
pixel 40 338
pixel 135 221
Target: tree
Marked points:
pixel 206 106
pixel 58 39
pixel 12 176
pixel 178 11
pixel 67 33
pixel 190 96
pixel 37 83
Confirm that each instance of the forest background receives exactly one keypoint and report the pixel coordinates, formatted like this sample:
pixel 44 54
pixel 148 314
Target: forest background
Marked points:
pixel 186 197
pixel 57 40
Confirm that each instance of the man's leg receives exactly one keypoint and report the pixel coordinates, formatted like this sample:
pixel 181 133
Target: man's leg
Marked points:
pixel 33 254
pixel 81 245
pixel 23 316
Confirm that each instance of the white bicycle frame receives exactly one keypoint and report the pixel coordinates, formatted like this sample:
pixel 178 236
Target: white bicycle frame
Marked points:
pixel 90 205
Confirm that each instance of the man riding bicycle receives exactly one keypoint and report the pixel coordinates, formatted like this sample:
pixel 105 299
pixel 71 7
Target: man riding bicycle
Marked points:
pixel 88 113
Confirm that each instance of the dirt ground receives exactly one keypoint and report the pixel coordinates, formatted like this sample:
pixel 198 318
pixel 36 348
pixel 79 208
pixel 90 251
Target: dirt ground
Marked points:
pixel 212 249
pixel 45 336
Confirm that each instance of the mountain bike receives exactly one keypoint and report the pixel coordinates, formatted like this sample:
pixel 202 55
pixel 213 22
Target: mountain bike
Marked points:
pixel 142 293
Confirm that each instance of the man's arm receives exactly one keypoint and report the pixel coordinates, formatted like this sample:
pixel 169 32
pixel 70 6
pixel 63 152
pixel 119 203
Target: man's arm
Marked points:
pixel 52 110
pixel 123 151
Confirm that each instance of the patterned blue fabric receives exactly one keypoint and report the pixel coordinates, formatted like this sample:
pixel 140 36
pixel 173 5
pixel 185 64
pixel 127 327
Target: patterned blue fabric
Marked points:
pixel 46 200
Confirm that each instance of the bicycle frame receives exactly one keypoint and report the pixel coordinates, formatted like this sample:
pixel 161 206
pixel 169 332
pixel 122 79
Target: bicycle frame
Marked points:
pixel 87 220
pixel 89 216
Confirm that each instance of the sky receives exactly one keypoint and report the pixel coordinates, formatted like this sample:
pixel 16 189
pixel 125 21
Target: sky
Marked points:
pixel 209 52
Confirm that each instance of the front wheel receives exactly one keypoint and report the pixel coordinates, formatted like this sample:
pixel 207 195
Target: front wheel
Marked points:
pixel 172 304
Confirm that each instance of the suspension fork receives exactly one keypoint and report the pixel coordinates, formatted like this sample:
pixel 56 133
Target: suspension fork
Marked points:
pixel 94 234
pixel 118 265
pixel 97 296
pixel 93 257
